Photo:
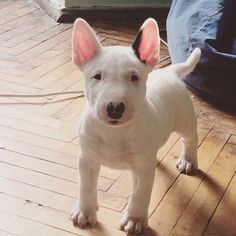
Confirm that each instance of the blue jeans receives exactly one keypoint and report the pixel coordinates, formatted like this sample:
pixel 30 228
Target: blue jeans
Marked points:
pixel 210 25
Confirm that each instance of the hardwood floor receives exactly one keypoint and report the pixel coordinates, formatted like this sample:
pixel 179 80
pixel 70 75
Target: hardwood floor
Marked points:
pixel 38 144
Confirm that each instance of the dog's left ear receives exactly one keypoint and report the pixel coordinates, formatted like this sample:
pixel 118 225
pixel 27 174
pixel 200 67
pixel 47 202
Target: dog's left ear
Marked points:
pixel 147 44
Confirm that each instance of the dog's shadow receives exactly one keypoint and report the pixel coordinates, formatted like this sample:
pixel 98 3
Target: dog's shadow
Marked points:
pixel 99 229
pixel 215 191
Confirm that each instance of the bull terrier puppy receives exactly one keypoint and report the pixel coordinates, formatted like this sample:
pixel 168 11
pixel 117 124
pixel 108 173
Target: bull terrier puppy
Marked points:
pixel 129 114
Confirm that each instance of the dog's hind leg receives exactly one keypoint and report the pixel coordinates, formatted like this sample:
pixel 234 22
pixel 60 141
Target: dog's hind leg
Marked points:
pixel 187 161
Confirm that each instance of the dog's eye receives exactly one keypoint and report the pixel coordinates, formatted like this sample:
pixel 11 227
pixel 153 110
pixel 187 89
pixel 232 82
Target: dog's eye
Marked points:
pixel 134 78
pixel 97 76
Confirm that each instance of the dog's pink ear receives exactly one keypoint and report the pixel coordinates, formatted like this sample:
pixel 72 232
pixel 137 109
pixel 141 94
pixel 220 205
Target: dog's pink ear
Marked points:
pixel 147 43
pixel 85 44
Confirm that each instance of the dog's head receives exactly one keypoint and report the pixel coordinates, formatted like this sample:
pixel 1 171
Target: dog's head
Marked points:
pixel 115 76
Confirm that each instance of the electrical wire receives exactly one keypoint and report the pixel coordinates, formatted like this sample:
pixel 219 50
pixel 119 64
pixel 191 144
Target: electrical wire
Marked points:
pixel 81 92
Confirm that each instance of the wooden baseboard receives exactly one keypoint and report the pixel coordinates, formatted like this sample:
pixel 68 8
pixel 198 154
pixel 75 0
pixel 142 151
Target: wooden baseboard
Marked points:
pixel 112 14
pixel 68 15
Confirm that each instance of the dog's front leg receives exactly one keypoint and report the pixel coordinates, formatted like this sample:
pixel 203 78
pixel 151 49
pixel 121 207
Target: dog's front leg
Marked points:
pixel 85 210
pixel 135 218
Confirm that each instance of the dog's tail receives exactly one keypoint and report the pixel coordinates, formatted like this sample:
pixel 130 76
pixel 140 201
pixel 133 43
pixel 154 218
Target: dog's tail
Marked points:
pixel 185 68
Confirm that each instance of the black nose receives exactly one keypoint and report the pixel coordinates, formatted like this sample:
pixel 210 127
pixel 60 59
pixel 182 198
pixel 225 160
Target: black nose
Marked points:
pixel 115 112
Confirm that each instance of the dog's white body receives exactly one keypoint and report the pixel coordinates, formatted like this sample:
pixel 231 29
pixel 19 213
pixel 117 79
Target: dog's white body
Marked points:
pixel 154 107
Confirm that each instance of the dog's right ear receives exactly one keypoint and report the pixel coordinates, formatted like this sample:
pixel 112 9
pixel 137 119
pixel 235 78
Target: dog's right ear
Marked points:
pixel 147 44
pixel 85 44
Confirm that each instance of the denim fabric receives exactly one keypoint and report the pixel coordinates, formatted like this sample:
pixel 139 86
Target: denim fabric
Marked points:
pixel 210 25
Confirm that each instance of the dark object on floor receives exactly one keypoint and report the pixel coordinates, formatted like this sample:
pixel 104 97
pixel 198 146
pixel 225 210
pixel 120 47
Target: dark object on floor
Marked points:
pixel 210 25
pixel 68 10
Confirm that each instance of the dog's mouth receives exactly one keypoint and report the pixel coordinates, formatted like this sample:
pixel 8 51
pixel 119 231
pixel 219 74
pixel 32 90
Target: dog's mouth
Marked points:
pixel 114 122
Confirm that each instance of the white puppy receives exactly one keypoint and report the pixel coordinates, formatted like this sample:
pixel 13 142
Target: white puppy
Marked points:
pixel 129 114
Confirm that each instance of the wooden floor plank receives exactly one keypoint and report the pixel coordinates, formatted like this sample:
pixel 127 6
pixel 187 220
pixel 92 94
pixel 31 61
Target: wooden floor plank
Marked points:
pixel 51 199
pixel 6 3
pixel 41 153
pixel 12 7
pixel 224 218
pixel 22 105
pixel 20 226
pixel 54 75
pixel 232 139
pixel 25 10
pixel 15 12
pixel 168 145
pixel 70 111
pixel 5 76
pixel 205 200
pixel 13 112
pixel 171 207
pixel 14 88
pixel 166 173
pixel 44 57
pixel 48 168
pixel 123 186
pixel 64 84
pixel 61 109
pixel 43 47
pixel 24 31
pixel 110 173
pixel 58 134
pixel 37 140
pixel 57 185
pixel 45 68
pixel 59 28
pixel 21 20
pixel 223 221
pixel 3 233
pixel 50 217
pixel 22 47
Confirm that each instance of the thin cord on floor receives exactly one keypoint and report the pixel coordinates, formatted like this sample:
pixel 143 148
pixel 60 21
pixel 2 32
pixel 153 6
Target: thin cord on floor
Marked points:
pixel 81 92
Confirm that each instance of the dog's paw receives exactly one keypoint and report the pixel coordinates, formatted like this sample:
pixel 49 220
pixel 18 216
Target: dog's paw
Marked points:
pixel 184 166
pixel 83 217
pixel 133 225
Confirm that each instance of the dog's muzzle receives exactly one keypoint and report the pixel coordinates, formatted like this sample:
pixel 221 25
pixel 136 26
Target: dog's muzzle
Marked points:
pixel 115 114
